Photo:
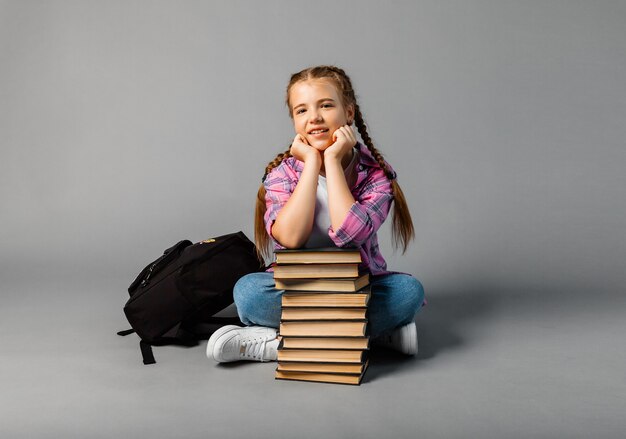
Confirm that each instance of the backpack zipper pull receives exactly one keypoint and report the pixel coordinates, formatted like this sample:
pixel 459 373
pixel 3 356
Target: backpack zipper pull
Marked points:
pixel 144 282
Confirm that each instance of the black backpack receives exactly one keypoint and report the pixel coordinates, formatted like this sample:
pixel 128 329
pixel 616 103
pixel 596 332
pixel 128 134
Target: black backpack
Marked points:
pixel 173 300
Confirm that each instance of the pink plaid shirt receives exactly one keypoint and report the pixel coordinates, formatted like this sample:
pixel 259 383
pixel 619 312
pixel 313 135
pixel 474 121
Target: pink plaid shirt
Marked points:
pixel 372 194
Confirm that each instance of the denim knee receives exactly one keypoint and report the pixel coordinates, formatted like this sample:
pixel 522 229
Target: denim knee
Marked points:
pixel 257 301
pixel 410 297
pixel 416 294
pixel 395 301
pixel 243 294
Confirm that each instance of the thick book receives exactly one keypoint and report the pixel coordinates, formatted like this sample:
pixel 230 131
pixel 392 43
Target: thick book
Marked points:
pixel 321 355
pixel 302 366
pixel 320 377
pixel 326 255
pixel 315 271
pixel 340 285
pixel 354 343
pixel 321 328
pixel 325 299
pixel 310 313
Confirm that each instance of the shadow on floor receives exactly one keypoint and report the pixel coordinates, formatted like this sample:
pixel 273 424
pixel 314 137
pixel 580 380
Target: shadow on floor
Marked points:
pixel 441 325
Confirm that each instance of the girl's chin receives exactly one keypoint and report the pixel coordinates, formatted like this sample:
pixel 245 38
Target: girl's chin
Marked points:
pixel 320 144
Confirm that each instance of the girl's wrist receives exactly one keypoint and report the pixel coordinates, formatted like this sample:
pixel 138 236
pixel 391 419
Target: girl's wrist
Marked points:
pixel 332 162
pixel 337 155
pixel 313 159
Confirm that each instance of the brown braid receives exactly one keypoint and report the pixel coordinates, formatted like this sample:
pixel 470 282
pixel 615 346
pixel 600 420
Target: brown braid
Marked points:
pixel 402 230
pixel 277 161
pixel 360 124
pixel 261 237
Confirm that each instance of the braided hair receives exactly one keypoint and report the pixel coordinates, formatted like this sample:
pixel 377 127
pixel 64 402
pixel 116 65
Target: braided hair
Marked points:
pixel 402 229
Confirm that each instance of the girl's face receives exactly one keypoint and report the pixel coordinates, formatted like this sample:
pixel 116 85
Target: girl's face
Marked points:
pixel 317 111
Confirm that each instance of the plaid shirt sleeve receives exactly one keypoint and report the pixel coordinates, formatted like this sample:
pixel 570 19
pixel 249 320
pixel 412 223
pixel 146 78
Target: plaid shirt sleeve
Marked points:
pixel 367 214
pixel 279 185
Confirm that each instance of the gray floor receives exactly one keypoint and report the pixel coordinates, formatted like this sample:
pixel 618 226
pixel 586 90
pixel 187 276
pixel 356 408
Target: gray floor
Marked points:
pixel 492 364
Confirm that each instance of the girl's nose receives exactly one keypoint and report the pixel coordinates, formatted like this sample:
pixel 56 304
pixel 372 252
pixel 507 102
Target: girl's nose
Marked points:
pixel 315 116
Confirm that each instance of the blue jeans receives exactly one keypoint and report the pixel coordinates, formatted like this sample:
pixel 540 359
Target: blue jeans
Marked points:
pixel 394 301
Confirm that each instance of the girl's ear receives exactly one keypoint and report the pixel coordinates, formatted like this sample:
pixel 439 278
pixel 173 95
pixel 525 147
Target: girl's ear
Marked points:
pixel 350 114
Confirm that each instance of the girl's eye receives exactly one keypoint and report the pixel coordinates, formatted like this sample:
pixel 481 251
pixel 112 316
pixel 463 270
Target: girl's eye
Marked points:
pixel 323 106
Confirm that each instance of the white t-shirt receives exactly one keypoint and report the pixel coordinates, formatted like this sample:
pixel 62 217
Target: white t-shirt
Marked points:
pixel 321 221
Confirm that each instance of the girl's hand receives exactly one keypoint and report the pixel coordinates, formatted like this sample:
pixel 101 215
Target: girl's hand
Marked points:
pixel 344 140
pixel 301 150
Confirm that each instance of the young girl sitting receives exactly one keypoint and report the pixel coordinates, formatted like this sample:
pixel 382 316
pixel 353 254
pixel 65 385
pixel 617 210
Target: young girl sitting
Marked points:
pixel 326 190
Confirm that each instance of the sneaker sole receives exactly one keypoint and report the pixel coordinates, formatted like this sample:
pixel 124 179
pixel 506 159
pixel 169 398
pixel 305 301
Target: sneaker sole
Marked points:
pixel 408 344
pixel 210 348
pixel 411 349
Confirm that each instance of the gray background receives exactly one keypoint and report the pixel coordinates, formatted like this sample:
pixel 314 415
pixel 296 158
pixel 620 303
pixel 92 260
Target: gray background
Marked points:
pixel 128 125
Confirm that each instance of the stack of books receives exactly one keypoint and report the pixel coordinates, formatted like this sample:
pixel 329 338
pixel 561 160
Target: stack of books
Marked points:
pixel 323 325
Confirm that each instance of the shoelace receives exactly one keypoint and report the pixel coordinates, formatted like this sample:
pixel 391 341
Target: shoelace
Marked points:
pixel 254 348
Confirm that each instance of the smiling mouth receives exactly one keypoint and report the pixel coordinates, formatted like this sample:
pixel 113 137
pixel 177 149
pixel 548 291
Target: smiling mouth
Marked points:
pixel 318 132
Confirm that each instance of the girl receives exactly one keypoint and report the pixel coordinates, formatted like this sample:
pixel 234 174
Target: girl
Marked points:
pixel 326 190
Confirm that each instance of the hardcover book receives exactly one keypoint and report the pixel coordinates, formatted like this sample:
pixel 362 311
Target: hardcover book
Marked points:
pixel 340 285
pixel 321 355
pixel 334 313
pixel 314 271
pixel 325 299
pixel 335 378
pixel 327 255
pixel 301 366
pixel 355 343
pixel 321 328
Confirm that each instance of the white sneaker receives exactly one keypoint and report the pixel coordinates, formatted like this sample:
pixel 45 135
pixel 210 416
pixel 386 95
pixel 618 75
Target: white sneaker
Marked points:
pixel 402 339
pixel 234 343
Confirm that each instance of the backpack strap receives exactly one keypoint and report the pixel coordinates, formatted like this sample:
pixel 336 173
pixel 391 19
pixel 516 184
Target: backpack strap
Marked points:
pixel 146 348
pixel 146 352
